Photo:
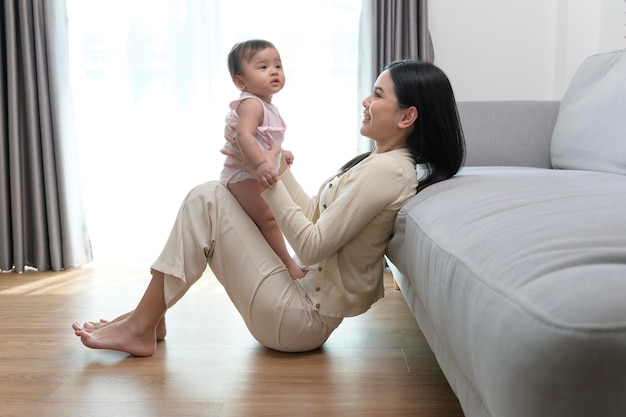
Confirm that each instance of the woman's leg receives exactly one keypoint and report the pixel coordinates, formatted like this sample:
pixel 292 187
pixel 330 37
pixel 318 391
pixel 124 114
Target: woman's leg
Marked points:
pixel 184 255
pixel 211 225
pixel 135 333
pixel 181 263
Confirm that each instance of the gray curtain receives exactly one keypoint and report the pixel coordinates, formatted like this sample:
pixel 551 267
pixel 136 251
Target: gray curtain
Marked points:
pixel 390 30
pixel 42 225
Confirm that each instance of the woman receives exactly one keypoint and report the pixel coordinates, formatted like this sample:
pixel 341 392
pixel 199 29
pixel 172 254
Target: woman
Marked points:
pixel 412 118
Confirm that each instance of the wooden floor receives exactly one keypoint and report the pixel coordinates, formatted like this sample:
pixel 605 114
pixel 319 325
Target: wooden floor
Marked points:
pixel 374 365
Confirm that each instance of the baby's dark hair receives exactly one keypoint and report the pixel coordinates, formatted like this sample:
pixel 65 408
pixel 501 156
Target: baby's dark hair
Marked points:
pixel 245 50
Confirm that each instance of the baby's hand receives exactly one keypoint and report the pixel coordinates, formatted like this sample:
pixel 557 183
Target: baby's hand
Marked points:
pixel 288 157
pixel 266 174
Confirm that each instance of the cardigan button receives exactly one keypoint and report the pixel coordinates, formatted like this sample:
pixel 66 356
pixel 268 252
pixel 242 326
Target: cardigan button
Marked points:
pixel 318 289
pixel 317 305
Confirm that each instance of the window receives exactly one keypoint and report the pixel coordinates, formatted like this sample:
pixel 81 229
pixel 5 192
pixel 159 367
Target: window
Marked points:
pixel 151 89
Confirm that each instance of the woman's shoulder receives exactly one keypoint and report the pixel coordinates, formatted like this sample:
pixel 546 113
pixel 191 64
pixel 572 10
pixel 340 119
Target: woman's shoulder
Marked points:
pixel 396 159
pixel 394 167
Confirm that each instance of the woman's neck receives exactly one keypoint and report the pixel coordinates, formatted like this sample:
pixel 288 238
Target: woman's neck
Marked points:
pixel 382 148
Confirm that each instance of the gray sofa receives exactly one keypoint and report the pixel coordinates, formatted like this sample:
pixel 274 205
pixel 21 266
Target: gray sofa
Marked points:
pixel 515 269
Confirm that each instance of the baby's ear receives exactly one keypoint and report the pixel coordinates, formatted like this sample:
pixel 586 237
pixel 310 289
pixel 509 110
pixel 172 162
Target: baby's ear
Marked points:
pixel 239 82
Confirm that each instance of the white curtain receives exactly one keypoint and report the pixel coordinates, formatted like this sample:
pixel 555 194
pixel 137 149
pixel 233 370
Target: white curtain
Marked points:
pixel 151 89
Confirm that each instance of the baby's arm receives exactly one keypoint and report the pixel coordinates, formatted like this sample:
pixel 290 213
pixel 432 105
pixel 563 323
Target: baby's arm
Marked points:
pixel 250 117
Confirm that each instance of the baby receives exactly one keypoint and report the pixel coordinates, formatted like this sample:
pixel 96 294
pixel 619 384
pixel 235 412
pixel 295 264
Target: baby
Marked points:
pixel 256 69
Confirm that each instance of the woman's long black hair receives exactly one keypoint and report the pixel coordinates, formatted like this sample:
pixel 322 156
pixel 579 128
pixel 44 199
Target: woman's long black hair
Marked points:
pixel 437 141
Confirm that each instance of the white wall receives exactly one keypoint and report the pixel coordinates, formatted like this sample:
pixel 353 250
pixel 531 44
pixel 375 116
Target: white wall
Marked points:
pixel 520 50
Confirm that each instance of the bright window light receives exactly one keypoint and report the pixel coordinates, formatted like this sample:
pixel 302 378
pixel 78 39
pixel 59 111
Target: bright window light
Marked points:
pixel 151 89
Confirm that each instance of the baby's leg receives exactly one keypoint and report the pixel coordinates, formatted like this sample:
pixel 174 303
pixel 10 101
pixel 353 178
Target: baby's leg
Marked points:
pixel 248 193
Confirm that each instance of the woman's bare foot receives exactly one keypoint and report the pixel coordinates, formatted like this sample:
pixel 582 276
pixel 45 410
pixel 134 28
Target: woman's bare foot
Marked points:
pixel 295 270
pixel 121 335
pixel 161 330
pixel 134 333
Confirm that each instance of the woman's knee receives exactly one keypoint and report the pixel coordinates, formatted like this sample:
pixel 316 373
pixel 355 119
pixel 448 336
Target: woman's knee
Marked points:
pixel 209 197
pixel 201 191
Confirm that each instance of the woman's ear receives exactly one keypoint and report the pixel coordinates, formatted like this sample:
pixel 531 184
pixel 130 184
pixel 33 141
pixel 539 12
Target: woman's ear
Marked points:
pixel 409 117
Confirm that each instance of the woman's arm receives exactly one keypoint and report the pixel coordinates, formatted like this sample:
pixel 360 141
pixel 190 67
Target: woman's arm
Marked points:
pixel 302 199
pixel 363 196
pixel 308 204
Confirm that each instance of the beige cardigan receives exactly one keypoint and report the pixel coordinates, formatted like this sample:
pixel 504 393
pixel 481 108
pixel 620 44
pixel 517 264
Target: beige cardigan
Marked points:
pixel 345 228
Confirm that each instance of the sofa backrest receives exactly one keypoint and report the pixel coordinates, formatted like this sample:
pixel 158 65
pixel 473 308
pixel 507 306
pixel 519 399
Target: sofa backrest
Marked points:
pixel 590 130
pixel 508 133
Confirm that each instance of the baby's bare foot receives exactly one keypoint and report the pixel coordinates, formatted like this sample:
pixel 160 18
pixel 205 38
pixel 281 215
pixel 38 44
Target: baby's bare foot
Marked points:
pixel 118 335
pixel 295 270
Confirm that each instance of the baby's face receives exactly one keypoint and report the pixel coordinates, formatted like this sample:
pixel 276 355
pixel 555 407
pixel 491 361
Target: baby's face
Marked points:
pixel 262 75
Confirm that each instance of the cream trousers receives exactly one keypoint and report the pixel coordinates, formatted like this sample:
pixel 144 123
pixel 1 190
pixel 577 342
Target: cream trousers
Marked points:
pixel 211 227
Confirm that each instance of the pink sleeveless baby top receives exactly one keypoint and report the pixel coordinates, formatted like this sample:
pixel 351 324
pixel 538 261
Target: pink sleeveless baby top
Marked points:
pixel 269 135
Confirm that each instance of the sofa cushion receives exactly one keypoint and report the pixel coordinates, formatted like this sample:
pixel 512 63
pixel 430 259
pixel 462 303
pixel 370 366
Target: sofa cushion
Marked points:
pixel 589 131
pixel 517 278
pixel 498 133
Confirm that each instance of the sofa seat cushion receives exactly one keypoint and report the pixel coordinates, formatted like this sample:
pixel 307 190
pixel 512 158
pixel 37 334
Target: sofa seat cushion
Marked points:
pixel 519 276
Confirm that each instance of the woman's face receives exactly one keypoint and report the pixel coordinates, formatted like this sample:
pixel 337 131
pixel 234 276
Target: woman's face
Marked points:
pixel 381 113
